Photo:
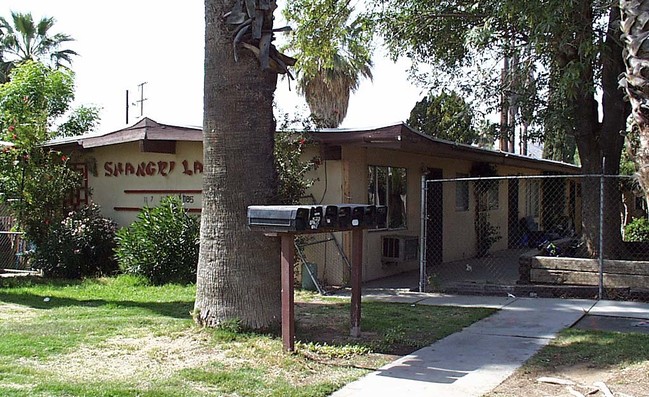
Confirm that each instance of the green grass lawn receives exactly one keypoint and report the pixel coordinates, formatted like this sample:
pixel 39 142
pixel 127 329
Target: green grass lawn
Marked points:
pixel 120 337
pixel 598 348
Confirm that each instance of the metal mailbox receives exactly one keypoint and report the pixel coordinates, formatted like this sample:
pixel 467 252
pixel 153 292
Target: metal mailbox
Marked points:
pixel 287 218
pixel 381 216
pixel 310 218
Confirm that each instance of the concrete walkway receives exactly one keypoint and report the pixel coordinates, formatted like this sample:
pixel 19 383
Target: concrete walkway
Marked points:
pixel 475 360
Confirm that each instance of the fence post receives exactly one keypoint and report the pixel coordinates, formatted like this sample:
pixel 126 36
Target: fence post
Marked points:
pixel 600 294
pixel 422 235
pixel 288 303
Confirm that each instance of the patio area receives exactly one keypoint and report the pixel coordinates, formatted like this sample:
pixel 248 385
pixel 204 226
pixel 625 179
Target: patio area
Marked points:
pixel 496 274
pixel 497 270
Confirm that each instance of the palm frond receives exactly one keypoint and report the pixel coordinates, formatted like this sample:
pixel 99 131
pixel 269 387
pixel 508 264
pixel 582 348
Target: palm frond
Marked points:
pixel 24 40
pixel 335 55
pixel 24 24
pixel 44 25
pixel 328 89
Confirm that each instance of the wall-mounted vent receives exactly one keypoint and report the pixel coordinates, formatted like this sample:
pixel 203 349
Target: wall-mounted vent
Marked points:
pixel 400 248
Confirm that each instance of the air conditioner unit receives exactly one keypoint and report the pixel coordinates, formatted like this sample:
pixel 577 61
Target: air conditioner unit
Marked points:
pixel 398 249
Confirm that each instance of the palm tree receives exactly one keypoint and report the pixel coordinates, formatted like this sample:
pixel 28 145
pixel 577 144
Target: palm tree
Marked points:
pixel 26 40
pixel 238 274
pixel 334 55
pixel 636 81
pixel 327 89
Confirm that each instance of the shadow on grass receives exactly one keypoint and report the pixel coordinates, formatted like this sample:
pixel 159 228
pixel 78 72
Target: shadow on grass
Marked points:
pixel 330 325
pixel 386 328
pixel 175 309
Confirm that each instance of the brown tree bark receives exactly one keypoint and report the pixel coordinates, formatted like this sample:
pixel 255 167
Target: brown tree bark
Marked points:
pixel 596 140
pixel 238 275
pixel 615 113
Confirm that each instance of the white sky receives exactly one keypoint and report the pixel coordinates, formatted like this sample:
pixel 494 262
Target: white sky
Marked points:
pixel 124 43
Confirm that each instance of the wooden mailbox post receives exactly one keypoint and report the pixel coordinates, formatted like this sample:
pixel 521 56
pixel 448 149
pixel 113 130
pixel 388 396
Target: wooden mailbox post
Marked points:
pixel 288 221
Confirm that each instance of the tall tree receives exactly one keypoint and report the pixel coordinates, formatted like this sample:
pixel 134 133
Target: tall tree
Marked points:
pixel 24 39
pixel 38 178
pixel 636 79
pixel 574 41
pixel 238 275
pixel 445 116
pixel 334 48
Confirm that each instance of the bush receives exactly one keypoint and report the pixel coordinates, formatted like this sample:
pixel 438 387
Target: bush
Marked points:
pixel 637 230
pixel 82 245
pixel 39 184
pixel 162 245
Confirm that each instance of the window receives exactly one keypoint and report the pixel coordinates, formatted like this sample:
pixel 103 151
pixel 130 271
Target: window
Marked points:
pixel 387 186
pixel 461 193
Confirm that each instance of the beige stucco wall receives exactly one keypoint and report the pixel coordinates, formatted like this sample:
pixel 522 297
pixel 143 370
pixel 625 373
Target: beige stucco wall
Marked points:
pixel 322 249
pixel 346 180
pixel 335 181
pixel 120 192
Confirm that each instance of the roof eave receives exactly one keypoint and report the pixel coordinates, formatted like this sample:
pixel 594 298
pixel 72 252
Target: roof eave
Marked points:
pixel 403 137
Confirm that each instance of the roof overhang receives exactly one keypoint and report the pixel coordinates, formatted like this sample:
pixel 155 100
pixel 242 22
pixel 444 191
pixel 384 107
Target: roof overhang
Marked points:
pixel 404 138
pixel 156 137
pixel 148 132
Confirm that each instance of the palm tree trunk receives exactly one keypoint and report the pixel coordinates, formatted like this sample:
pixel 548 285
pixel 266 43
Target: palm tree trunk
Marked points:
pixel 238 275
pixel 636 59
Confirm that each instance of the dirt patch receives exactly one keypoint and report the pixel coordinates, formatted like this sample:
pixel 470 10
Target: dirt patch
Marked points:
pixel 10 312
pixel 629 381
pixel 140 360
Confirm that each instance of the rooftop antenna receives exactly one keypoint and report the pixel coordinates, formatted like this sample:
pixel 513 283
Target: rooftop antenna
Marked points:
pixel 142 98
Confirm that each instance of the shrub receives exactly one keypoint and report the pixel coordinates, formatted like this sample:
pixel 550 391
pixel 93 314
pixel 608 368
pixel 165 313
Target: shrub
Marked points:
pixel 81 245
pixel 38 184
pixel 291 169
pixel 290 146
pixel 162 245
pixel 637 230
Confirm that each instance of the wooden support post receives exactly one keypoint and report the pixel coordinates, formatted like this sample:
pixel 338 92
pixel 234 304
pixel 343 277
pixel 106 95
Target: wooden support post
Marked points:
pixel 356 277
pixel 288 308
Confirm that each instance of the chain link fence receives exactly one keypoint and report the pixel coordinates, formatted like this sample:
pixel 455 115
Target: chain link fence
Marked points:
pixel 12 245
pixel 539 236
pixel 323 265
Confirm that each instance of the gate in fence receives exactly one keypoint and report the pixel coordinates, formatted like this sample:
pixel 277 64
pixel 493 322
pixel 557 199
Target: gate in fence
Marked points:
pixel 551 235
